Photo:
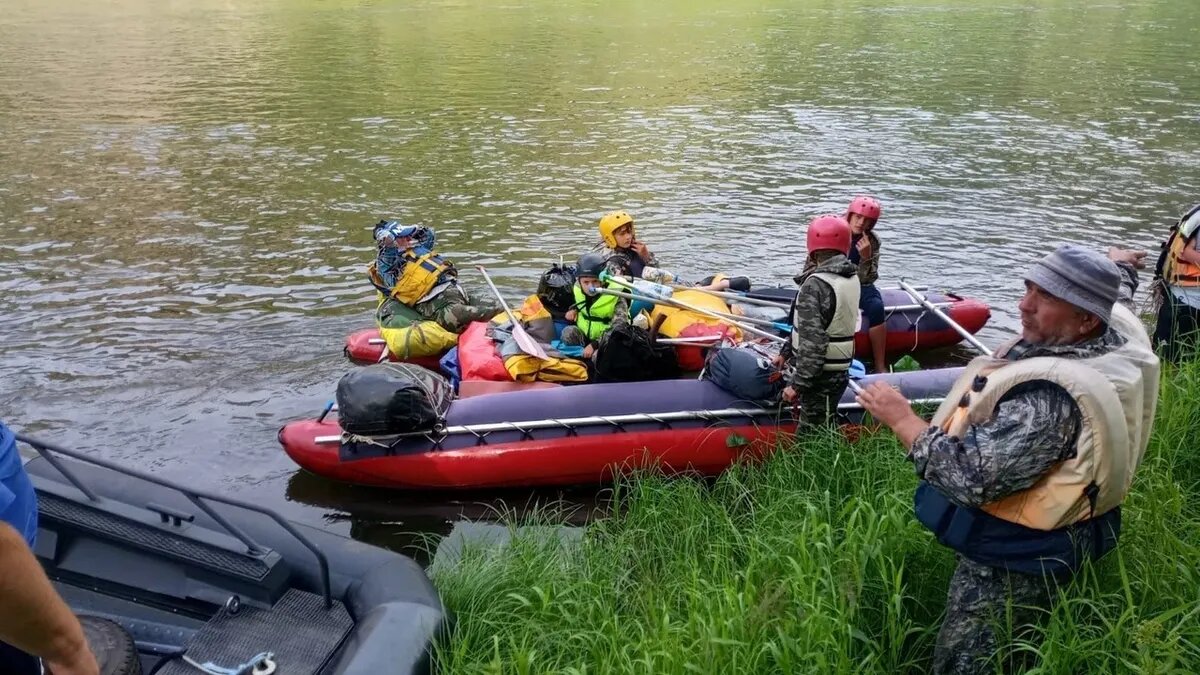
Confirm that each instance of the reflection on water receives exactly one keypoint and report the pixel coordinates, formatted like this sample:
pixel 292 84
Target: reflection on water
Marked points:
pixel 414 522
pixel 185 188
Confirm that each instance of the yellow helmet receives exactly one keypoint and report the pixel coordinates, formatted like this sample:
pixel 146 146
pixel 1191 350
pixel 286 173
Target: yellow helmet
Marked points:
pixel 611 222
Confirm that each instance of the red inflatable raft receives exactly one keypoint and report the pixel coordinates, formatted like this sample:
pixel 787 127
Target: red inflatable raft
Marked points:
pixel 596 430
pixel 910 328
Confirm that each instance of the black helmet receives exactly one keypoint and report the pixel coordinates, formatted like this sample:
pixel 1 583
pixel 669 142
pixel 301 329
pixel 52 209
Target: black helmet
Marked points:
pixel 554 288
pixel 590 265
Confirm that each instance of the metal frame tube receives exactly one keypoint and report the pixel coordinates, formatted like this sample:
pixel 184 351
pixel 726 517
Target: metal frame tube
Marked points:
pixel 735 321
pixel 610 420
pixel 966 334
pixel 195 496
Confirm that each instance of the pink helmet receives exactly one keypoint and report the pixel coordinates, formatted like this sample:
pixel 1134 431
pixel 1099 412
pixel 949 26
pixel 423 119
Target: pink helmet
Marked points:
pixel 867 207
pixel 829 232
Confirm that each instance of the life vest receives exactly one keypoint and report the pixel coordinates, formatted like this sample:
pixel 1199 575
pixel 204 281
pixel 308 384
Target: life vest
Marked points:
pixel 376 279
pixel 1176 270
pixel 1030 531
pixel 840 350
pixel 594 314
pixel 420 274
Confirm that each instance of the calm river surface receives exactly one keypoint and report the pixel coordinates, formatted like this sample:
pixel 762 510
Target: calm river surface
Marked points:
pixel 186 186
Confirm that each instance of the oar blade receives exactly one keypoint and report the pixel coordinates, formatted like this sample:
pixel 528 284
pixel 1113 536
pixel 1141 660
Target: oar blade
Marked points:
pixel 527 344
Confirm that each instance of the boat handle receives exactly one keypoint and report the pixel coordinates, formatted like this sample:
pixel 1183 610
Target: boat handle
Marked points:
pixel 169 515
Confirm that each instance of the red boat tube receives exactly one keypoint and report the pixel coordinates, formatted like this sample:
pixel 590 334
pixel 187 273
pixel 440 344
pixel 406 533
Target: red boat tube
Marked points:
pixel 596 430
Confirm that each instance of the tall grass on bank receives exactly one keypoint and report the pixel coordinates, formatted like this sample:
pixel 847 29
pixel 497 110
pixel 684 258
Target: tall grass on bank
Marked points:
pixel 813 562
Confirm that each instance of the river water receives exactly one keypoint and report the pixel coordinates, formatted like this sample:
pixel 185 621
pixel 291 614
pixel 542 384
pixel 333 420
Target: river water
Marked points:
pixel 186 187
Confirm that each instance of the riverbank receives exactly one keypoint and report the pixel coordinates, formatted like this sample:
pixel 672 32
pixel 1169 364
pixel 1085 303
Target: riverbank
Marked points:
pixel 813 562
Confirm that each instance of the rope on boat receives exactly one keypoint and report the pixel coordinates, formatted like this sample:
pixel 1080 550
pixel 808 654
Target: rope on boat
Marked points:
pixel 262 664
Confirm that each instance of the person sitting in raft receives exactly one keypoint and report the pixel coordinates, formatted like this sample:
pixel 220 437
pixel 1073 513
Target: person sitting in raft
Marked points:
pixel 593 312
pixel 409 271
pixel 1177 289
pixel 627 257
pixel 862 215
pixel 823 316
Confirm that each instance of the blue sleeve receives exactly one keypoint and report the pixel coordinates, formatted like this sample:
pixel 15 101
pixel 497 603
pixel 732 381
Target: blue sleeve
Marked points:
pixel 388 265
pixel 18 502
pixel 7 497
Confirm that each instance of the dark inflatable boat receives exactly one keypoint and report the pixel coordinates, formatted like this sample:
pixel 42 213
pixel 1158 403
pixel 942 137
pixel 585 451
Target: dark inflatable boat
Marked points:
pixel 572 435
pixel 198 577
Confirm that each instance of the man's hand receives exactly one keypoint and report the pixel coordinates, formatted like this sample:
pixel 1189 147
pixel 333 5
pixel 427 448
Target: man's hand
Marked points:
pixel 1135 258
pixel 80 662
pixel 889 406
pixel 588 351
pixel 789 394
pixel 640 249
pixel 864 248
pixel 571 315
pixel 36 620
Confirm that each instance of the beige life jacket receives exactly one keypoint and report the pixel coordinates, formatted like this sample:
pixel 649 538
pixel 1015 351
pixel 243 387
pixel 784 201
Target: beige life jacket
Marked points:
pixel 840 351
pixel 1116 393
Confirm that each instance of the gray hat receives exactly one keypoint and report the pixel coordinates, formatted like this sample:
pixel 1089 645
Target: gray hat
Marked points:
pixel 1080 276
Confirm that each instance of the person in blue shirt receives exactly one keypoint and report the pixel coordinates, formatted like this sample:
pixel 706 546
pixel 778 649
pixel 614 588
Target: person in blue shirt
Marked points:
pixel 36 626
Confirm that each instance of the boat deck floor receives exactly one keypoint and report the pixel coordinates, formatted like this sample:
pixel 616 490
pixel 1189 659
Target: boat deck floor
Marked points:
pixel 301 633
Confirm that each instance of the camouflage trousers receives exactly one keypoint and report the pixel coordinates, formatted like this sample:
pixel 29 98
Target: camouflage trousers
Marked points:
pixel 571 335
pixel 452 311
pixel 983 602
pixel 818 404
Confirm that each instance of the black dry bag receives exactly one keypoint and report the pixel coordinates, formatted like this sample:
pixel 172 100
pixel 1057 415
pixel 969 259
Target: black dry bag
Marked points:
pixel 554 289
pixel 392 398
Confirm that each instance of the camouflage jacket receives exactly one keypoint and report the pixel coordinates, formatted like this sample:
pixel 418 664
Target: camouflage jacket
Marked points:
pixel 811 313
pixel 1035 426
pixel 868 269
pixel 620 260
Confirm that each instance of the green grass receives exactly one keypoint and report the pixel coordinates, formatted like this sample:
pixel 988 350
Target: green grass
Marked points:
pixel 813 562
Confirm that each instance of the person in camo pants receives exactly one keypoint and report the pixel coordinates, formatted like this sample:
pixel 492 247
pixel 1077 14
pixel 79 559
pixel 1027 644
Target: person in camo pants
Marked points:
pixel 1020 483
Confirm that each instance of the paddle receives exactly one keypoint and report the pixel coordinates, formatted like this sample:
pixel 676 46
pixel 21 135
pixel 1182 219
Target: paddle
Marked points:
pixel 525 341
pixel 724 318
pixel 733 295
pixel 920 298
pixel 749 299
pixel 733 319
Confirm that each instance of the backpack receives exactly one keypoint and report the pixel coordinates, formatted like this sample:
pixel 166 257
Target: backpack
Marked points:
pixel 554 289
pixel 628 353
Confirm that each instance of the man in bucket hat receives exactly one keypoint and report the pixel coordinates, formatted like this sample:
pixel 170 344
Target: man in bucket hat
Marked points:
pixel 1027 461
